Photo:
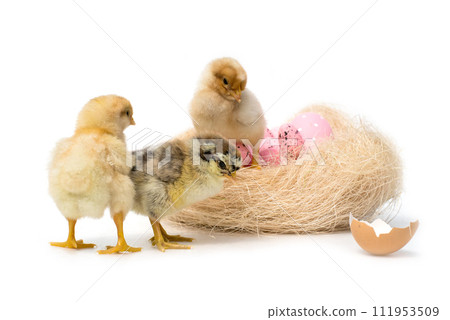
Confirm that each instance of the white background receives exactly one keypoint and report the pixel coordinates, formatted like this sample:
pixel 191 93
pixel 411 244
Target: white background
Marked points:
pixel 389 64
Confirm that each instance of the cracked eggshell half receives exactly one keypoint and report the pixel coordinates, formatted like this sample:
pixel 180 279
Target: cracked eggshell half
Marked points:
pixel 380 238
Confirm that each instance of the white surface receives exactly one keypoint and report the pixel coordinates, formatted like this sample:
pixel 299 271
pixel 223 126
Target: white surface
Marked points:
pixel 392 67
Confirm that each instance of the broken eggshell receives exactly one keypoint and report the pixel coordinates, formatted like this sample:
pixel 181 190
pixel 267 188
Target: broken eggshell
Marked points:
pixel 380 238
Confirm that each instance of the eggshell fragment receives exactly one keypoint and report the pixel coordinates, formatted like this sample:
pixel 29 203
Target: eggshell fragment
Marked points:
pixel 379 238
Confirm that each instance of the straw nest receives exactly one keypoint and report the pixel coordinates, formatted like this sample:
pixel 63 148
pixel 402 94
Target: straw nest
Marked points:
pixel 361 175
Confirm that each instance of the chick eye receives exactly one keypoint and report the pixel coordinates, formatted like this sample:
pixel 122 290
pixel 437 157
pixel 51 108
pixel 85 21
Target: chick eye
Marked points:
pixel 225 81
pixel 128 113
pixel 222 165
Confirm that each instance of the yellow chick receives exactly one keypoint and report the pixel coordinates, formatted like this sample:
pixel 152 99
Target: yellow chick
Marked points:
pixel 88 171
pixel 178 174
pixel 222 103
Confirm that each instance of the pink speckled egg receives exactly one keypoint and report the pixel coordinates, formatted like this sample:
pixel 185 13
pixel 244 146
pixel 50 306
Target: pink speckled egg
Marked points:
pixel 312 126
pixel 269 152
pixel 290 139
pixel 246 153
pixel 269 133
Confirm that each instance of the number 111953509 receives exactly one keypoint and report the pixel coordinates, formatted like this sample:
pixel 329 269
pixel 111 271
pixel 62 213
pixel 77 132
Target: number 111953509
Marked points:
pixel 405 311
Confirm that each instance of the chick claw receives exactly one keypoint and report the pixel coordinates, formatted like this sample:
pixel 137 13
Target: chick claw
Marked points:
pixel 163 245
pixel 170 238
pixel 120 247
pixel 73 244
pixel 163 241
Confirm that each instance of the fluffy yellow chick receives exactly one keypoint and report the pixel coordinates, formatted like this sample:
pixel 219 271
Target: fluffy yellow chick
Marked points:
pixel 178 174
pixel 88 171
pixel 222 104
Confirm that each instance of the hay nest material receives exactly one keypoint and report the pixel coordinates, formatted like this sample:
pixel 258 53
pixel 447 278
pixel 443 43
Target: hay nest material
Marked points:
pixel 361 175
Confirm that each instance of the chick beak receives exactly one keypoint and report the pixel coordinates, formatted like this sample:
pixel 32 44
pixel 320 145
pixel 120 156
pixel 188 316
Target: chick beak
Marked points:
pixel 231 176
pixel 132 121
pixel 236 94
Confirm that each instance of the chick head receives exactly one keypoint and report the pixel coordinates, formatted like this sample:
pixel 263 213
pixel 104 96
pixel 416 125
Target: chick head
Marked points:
pixel 218 157
pixel 111 113
pixel 227 77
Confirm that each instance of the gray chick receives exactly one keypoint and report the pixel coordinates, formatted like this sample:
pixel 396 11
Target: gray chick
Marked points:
pixel 177 174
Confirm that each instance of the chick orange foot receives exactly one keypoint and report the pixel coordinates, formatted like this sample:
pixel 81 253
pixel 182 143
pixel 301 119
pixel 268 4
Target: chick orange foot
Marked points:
pixel 163 245
pixel 170 238
pixel 73 244
pixel 163 241
pixel 120 247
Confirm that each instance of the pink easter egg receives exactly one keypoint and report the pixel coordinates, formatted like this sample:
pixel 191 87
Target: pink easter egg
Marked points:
pixel 312 126
pixel 272 133
pixel 268 133
pixel 269 152
pixel 246 153
pixel 291 141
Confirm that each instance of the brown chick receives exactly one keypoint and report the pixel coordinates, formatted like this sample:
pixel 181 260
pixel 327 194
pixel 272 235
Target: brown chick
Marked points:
pixel 88 171
pixel 222 103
